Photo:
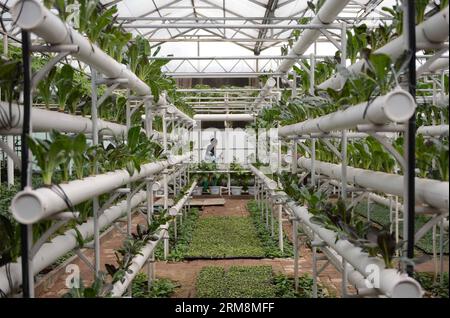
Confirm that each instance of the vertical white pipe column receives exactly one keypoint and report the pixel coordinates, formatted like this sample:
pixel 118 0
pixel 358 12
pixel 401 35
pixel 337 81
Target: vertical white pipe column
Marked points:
pixel 344 165
pixel 166 188
pixel 95 201
pixel 148 116
pixel 312 75
pixel 313 161
pixel 294 164
pixel 128 124
pixel 10 162
pixel 280 227
pixel 200 159
pixel 344 140
pixel 296 253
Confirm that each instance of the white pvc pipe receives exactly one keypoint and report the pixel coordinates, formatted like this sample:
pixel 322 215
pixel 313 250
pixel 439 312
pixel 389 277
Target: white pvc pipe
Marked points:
pixel 438 130
pixel 32 16
pixel 270 184
pixel 46 120
pixel 29 206
pixel 224 117
pixel 397 106
pixel 171 109
pixel 432 192
pixel 63 244
pixel 391 282
pixel 138 262
pixel 429 33
pixel 327 14
pixel 174 210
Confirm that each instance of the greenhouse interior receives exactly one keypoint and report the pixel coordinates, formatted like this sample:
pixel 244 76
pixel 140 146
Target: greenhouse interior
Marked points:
pixel 224 149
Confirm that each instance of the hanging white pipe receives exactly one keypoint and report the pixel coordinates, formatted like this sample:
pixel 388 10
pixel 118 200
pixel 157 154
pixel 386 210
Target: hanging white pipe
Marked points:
pixel 397 106
pixel 174 210
pixel 60 245
pixel 137 263
pixel 224 117
pixel 270 184
pixel 46 120
pixel 391 282
pixel 432 192
pixel 29 206
pixel 32 16
pixel 437 130
pixel 428 34
pixel 327 14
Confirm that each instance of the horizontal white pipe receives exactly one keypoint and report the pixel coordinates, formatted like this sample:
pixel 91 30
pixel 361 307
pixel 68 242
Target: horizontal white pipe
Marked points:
pixel 32 16
pixel 438 65
pixel 270 184
pixel 158 184
pixel 174 210
pixel 29 206
pixel 392 283
pixel 432 192
pixel 46 120
pixel 429 33
pixel 60 245
pixel 137 263
pixel 224 117
pixel 397 106
pixel 171 109
pixel 437 130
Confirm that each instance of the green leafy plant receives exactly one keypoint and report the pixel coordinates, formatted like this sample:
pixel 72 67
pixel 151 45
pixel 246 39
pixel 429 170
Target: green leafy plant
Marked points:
pixel 160 288
pixel 98 289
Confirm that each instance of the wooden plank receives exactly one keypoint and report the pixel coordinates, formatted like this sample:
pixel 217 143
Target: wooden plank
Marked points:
pixel 207 201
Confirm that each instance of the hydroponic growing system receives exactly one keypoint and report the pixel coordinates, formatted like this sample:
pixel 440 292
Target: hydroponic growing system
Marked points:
pixel 100 121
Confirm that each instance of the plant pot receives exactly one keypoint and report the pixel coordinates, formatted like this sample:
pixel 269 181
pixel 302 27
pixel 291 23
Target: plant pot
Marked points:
pixel 197 191
pixel 214 190
pixel 236 190
pixel 251 190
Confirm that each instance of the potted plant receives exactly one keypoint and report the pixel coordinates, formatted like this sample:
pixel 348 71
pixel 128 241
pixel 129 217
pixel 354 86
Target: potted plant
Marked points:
pixel 246 178
pixel 215 183
pixel 238 174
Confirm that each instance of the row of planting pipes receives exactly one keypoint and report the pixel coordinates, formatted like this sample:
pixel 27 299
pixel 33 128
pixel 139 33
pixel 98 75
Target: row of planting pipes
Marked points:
pixel 355 265
pixel 33 205
pixel 398 107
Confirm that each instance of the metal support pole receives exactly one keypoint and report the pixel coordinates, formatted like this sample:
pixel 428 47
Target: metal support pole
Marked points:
pixel 296 252
pixel 95 200
pixel 26 230
pixel 313 161
pixel 344 279
pixel 314 269
pixel 294 165
pixel 280 228
pixel 10 162
pixel 410 136
pixel 344 165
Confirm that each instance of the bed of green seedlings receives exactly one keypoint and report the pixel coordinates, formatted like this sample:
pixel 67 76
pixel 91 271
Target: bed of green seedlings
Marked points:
pixel 225 237
pixel 252 282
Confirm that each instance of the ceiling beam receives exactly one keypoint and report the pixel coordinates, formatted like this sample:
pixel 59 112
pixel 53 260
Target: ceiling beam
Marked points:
pixel 270 12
